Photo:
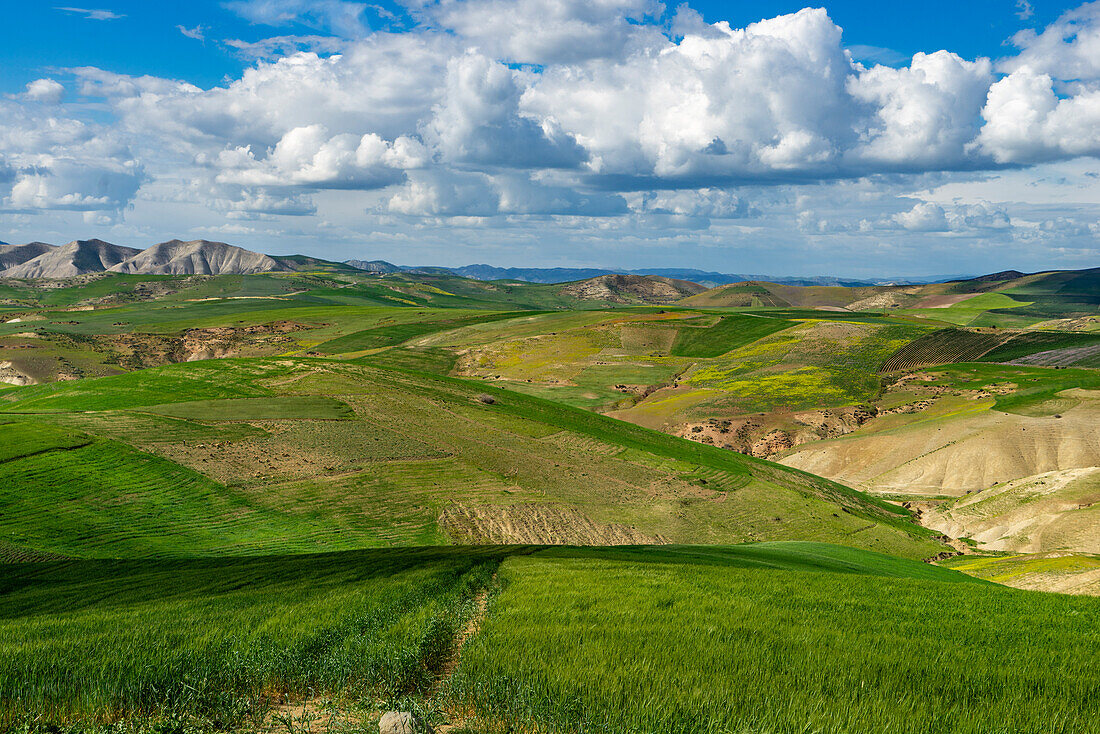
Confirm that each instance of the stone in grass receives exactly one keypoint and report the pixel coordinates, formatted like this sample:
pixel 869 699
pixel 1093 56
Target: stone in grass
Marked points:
pixel 487 399
pixel 402 722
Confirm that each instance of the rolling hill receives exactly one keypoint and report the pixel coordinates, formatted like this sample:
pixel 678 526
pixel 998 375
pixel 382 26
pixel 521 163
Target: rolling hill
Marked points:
pixel 1055 511
pixel 275 501
pixel 1005 299
pixel 292 455
pixel 631 289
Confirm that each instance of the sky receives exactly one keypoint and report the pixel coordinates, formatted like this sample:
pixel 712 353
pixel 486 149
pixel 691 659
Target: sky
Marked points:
pixel 857 139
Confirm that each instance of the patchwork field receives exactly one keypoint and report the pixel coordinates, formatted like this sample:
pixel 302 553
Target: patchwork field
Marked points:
pixel 292 501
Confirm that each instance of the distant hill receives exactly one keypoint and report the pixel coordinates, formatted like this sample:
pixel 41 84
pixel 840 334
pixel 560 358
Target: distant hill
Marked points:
pixel 619 288
pixel 197 257
pixel 12 255
pixel 529 275
pixel 991 277
pixel 305 263
pixel 79 257
pixel 375 266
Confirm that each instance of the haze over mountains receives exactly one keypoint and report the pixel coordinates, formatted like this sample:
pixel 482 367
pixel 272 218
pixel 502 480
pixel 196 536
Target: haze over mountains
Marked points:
pixel 567 275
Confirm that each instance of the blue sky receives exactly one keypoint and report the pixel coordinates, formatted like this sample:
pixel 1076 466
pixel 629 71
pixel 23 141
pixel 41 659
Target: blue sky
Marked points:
pixel 562 132
pixel 38 38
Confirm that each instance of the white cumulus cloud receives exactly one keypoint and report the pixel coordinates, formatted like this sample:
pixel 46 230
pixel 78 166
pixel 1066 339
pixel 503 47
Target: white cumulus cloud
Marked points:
pixel 46 91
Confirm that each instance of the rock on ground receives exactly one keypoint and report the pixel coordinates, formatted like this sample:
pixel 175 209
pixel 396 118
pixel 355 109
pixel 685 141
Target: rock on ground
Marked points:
pixel 402 722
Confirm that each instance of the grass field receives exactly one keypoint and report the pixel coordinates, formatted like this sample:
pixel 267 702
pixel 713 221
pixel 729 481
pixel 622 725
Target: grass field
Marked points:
pixel 817 364
pixel 769 639
pixel 1072 573
pixel 1039 341
pixel 1036 388
pixel 947 346
pixel 773 637
pixel 944 347
pixel 731 332
pixel 214 643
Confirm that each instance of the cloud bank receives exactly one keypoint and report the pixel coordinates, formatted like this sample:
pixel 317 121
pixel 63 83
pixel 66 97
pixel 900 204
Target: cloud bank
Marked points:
pixel 601 109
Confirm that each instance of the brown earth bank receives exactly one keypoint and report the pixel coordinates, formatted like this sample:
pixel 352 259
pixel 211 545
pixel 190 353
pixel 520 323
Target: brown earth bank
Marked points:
pixel 12 375
pixel 767 435
pixel 29 358
pixel 958 454
pixel 1053 511
pixel 137 351
pixel 535 524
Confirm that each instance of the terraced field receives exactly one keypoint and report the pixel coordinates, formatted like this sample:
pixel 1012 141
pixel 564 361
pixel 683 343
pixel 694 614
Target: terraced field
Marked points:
pixel 945 347
pixel 949 346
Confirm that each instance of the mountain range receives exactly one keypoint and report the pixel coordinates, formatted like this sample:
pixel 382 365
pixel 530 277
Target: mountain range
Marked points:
pixel 175 257
pixel 708 278
pixel 203 257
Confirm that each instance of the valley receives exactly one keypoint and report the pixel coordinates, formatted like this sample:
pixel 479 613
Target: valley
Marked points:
pixel 343 469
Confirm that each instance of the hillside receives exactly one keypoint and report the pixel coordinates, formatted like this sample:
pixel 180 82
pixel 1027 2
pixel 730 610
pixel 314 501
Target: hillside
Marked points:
pixel 1058 572
pixel 1055 511
pixel 196 257
pixel 631 289
pixel 258 489
pixel 1005 299
pixel 301 455
pixel 963 428
pixel 76 258
pixel 551 276
pixel 12 255
pixel 373 266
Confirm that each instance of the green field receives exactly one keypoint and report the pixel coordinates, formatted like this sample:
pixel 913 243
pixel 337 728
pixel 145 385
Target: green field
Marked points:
pixel 1029 343
pixel 623 642
pixel 1036 388
pixel 210 644
pixel 817 364
pixel 772 637
pixel 298 455
pixel 729 333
